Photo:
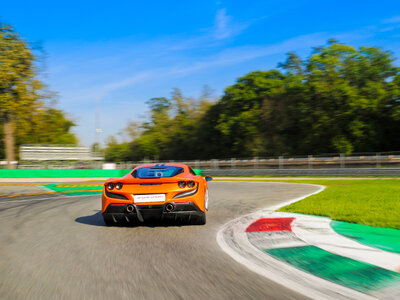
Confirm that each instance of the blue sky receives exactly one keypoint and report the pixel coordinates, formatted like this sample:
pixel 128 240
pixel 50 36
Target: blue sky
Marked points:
pixel 121 53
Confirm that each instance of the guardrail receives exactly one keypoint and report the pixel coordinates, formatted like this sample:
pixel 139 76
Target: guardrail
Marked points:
pixel 361 160
pixel 356 172
pixel 324 161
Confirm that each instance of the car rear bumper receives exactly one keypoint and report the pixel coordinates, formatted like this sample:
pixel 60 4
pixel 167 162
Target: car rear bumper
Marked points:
pixel 119 211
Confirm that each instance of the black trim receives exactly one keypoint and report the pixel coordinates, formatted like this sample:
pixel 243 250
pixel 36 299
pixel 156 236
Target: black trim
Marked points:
pixel 115 209
pixel 144 213
pixel 186 194
pixel 115 196
pixel 179 172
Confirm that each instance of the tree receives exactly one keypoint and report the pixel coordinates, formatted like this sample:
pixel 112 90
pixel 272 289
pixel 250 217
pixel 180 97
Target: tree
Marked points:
pixel 116 152
pixel 18 86
pixel 24 116
pixel 240 120
pixel 348 90
pixel 340 99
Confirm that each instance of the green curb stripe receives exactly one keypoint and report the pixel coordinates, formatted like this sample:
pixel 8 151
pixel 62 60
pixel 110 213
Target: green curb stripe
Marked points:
pixel 80 190
pixel 83 193
pixel 383 238
pixel 64 188
pixel 354 274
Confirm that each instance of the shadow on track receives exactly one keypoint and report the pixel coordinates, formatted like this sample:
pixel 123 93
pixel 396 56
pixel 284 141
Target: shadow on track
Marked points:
pixel 94 220
pixel 97 220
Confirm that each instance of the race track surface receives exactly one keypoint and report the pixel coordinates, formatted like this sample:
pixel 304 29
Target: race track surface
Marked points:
pixel 57 247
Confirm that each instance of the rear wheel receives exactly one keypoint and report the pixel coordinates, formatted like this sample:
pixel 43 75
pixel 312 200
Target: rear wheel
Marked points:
pixel 200 219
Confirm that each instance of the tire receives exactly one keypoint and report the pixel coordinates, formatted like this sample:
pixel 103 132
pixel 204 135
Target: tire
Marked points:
pixel 200 219
pixel 108 220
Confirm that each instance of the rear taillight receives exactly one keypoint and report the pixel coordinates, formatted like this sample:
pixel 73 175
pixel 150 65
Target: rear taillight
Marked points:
pixel 118 186
pixel 110 186
pixel 190 184
pixel 181 184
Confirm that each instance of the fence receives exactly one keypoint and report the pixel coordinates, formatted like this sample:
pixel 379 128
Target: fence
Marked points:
pixel 272 165
pixel 323 161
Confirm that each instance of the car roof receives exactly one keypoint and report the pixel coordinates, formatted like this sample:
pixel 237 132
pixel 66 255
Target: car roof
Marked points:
pixel 164 165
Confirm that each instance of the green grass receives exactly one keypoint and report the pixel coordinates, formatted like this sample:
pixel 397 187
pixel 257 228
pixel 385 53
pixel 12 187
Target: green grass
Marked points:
pixel 374 202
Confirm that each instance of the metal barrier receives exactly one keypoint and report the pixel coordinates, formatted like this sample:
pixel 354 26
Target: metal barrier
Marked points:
pixel 358 172
pixel 45 159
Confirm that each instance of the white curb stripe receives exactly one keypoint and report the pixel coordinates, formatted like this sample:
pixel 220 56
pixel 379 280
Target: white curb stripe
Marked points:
pixel 318 232
pixel 232 239
pixel 276 239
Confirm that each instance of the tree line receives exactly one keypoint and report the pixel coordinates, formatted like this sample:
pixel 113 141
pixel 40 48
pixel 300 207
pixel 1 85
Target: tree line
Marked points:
pixel 341 99
pixel 28 114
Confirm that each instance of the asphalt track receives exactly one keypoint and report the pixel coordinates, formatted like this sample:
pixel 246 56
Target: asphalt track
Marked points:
pixel 57 247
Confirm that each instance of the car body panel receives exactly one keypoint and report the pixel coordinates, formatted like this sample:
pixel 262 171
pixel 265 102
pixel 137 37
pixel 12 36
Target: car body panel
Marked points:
pixel 194 202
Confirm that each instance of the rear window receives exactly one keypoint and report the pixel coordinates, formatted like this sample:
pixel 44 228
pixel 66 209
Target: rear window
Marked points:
pixel 157 172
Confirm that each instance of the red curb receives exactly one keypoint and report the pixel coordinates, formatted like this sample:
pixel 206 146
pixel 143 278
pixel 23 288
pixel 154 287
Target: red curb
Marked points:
pixel 270 224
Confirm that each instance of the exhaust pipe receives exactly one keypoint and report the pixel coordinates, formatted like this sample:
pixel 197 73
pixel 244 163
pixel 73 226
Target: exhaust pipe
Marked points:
pixel 170 207
pixel 130 208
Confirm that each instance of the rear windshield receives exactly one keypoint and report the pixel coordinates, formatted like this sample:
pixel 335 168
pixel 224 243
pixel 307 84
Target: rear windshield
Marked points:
pixel 157 172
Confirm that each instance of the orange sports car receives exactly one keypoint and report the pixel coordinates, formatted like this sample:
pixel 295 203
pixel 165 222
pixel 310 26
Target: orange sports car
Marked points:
pixel 156 191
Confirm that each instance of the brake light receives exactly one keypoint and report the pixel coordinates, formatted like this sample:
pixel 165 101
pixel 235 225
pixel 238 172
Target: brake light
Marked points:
pixel 182 184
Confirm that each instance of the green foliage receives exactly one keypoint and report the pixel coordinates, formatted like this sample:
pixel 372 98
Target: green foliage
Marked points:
pixel 23 98
pixel 116 151
pixel 45 125
pixel 341 99
pixel 18 86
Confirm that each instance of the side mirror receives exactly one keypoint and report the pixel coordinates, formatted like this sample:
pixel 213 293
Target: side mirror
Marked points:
pixel 208 178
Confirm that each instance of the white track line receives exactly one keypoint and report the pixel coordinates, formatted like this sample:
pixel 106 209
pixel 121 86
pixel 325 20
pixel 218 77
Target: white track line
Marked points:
pixel 290 201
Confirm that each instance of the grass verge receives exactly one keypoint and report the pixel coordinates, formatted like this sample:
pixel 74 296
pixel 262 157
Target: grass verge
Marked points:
pixel 373 202
pixel 368 201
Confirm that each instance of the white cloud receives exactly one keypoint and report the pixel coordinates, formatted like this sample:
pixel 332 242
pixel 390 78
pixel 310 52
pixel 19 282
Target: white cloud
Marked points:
pixel 390 28
pixel 221 24
pixel 392 20
pixel 224 28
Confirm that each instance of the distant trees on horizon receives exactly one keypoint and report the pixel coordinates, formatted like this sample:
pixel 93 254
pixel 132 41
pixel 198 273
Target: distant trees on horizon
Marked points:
pixel 340 99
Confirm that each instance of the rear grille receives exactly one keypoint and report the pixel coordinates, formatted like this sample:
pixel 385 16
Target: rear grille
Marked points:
pixel 149 207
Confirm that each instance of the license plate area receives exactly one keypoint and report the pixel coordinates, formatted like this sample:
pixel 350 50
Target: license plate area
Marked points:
pixel 149 198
